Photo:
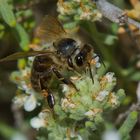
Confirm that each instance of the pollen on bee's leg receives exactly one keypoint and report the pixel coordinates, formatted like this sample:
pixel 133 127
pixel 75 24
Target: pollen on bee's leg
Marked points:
pixel 92 62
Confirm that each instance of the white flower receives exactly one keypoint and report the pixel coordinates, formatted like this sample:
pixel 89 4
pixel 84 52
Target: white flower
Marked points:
pixel 102 95
pixel 23 85
pixel 65 88
pixel 96 57
pixel 98 16
pixel 93 112
pixel 111 135
pixel 110 77
pixel 30 103
pixel 19 100
pixel 66 103
pixel 37 122
pixel 43 115
pixel 85 15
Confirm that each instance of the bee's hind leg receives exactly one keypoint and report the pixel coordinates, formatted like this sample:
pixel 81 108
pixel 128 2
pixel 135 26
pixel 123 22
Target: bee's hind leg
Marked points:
pixel 64 80
pixel 47 93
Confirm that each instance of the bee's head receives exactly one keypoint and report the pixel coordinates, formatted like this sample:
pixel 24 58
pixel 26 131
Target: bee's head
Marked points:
pixel 66 46
pixel 84 56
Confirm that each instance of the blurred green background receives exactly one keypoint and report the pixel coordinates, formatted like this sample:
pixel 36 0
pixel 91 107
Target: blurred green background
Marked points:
pixel 118 46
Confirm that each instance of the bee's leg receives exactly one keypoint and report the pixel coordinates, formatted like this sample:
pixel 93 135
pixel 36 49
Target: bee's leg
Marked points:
pixel 47 93
pixel 64 80
pixel 91 74
pixel 69 59
pixel 71 66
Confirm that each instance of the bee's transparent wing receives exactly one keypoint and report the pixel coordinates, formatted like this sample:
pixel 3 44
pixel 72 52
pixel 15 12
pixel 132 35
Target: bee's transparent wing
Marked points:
pixel 50 29
pixel 19 55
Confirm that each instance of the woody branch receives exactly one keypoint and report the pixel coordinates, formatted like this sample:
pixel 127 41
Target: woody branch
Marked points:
pixel 113 13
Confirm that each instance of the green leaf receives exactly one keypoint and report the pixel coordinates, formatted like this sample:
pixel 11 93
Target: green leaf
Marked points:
pixel 6 131
pixel 135 76
pixel 128 124
pixel 7 13
pixel 121 95
pixel 22 37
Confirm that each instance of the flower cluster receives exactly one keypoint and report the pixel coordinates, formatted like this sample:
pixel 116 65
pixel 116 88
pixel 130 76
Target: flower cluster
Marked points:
pixel 76 110
pixel 87 105
pixel 25 95
pixel 92 100
pixel 77 10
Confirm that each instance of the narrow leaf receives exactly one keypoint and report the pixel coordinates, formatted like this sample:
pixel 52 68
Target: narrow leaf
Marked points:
pixel 7 13
pixel 22 37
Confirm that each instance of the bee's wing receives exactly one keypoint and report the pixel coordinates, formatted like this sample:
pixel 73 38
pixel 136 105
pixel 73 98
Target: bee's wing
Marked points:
pixel 19 55
pixel 50 29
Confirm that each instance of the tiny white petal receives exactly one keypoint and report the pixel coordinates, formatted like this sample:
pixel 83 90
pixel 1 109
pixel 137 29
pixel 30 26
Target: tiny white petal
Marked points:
pixel 30 103
pixel 24 72
pixel 37 122
pixel 31 58
pixel 110 77
pixel 102 95
pixel 19 100
pixel 30 91
pixel 65 103
pixel 93 112
pixel 98 65
pixel 72 105
pixel 89 113
pixel 24 86
pixel 96 58
pixel 38 104
pixel 65 88
pixel 43 115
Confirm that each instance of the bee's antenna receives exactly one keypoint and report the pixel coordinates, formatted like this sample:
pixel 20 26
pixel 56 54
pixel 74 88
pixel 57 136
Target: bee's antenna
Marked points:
pixel 91 75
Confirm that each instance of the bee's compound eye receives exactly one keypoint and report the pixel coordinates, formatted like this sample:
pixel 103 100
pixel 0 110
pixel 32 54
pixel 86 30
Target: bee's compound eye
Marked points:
pixel 79 60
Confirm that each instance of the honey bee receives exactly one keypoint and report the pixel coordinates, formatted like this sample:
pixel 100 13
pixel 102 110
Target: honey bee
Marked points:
pixel 65 54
